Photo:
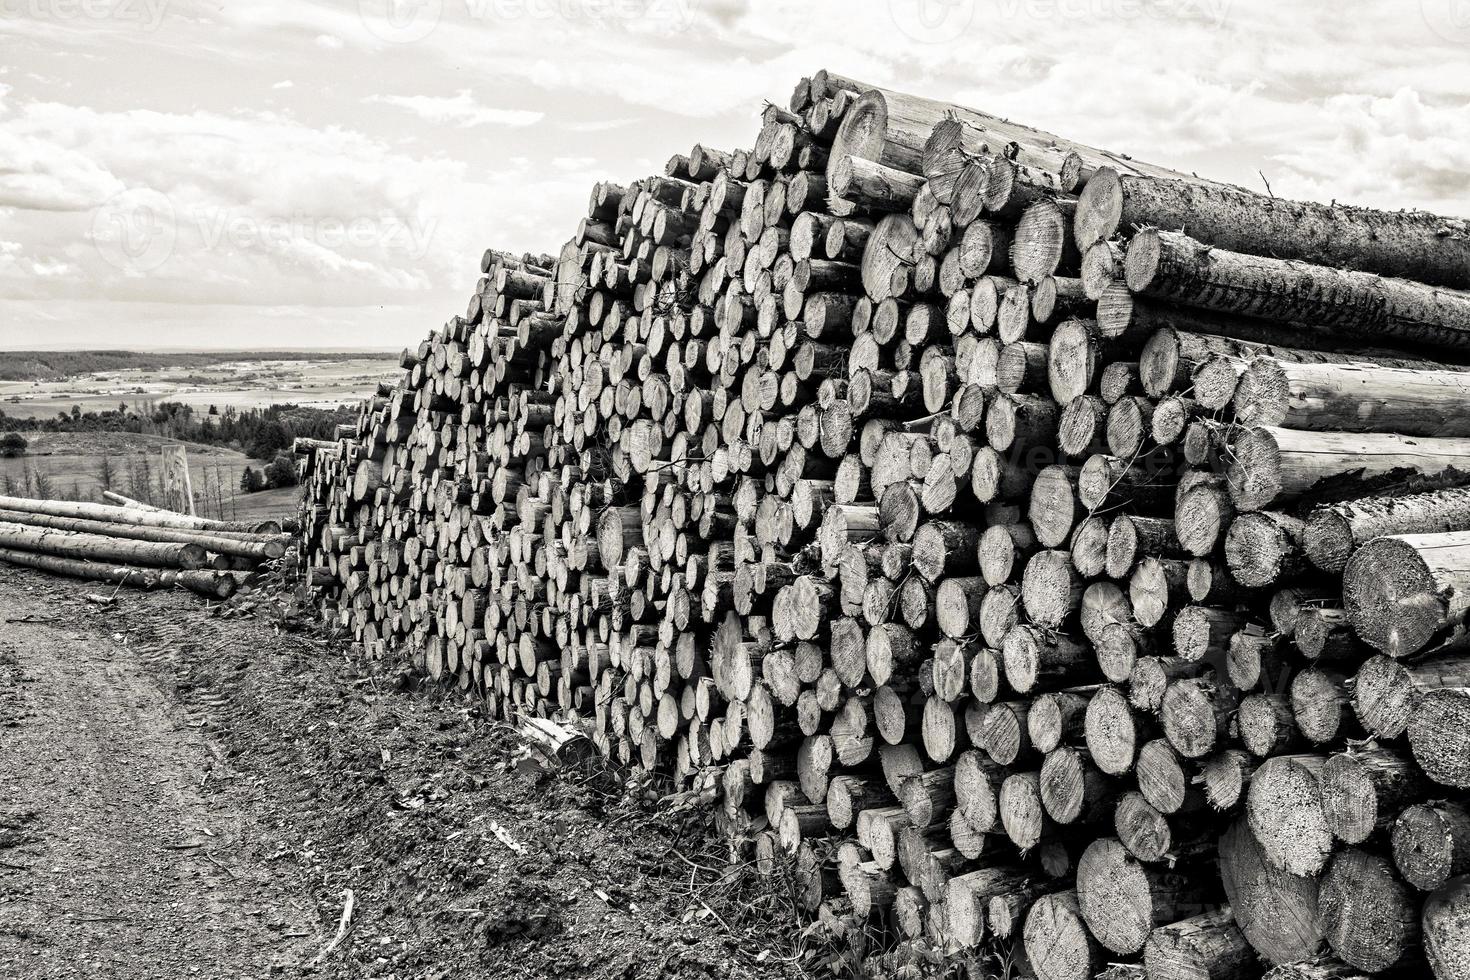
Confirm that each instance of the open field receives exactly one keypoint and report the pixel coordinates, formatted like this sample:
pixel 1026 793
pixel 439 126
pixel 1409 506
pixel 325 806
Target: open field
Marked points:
pixel 72 463
pixel 320 382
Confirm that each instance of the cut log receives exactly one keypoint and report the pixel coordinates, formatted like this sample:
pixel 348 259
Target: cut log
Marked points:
pixel 1446 925
pixel 255 548
pixel 1335 531
pixel 1172 266
pixel 1209 946
pixel 1404 591
pixel 210 584
pixel 1368 915
pixel 1439 734
pixel 1123 901
pixel 1387 694
pixel 1274 465
pixel 1362 791
pixel 1058 941
pixel 1431 843
pixel 1285 810
pixel 131 515
pixel 1353 398
pixel 1408 244
pixel 1277 911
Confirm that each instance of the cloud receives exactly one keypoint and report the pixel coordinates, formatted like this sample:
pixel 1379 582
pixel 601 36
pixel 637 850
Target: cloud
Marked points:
pixel 460 109
pixel 285 83
pixel 1389 151
pixel 600 125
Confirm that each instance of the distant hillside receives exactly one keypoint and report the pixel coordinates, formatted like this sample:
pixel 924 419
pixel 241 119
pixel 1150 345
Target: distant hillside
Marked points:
pixel 32 365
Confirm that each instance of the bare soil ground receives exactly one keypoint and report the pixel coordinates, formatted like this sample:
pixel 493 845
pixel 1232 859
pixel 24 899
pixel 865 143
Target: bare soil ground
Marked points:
pixel 190 794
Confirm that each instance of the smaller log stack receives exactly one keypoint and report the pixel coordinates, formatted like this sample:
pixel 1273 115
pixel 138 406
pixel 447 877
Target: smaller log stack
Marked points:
pixel 142 547
pixel 1023 570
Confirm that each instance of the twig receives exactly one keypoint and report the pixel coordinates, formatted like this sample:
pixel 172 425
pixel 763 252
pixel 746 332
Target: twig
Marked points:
pixel 349 900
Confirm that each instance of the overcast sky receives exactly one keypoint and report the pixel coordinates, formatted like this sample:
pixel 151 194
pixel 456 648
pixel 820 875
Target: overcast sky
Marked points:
pixel 304 173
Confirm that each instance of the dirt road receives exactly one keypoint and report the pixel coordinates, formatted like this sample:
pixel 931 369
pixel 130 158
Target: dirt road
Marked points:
pixel 185 795
pixel 117 863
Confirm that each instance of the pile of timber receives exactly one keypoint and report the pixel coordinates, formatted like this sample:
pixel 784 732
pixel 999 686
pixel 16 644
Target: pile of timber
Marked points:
pixel 1029 546
pixel 136 545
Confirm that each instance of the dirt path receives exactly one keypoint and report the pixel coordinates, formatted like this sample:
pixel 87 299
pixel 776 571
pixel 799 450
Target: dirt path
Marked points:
pixel 117 865
pixel 188 795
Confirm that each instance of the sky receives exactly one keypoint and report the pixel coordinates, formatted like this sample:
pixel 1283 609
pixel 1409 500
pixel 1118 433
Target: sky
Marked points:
pixel 299 173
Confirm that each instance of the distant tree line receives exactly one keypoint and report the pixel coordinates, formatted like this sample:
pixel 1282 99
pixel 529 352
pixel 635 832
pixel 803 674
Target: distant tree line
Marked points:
pixel 34 365
pixel 263 433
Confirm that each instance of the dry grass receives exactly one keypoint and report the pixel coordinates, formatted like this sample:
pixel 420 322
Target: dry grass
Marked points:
pixel 68 465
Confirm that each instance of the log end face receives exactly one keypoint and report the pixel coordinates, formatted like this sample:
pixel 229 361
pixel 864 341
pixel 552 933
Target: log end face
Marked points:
pixel 1114 896
pixel 1439 735
pixel 1391 597
pixel 1099 208
pixel 1349 800
pixel 1141 264
pixel 1446 923
pixel 1423 847
pixel 1284 807
pixel 1328 541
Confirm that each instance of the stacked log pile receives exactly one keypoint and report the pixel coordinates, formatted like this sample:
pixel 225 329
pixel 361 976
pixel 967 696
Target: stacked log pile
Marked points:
pixel 138 546
pixel 1024 569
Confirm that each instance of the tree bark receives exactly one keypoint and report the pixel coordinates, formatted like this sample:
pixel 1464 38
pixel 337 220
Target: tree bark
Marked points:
pixel 1407 244
pixel 1172 266
pixel 210 584
pixel 1335 531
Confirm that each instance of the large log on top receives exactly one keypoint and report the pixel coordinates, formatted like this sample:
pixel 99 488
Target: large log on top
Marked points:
pixel 892 128
pixel 1407 244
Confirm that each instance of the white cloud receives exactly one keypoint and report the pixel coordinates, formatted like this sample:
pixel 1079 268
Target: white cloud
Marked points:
pixel 51 268
pixel 285 83
pixel 460 109
pixel 600 125
pixel 1386 151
